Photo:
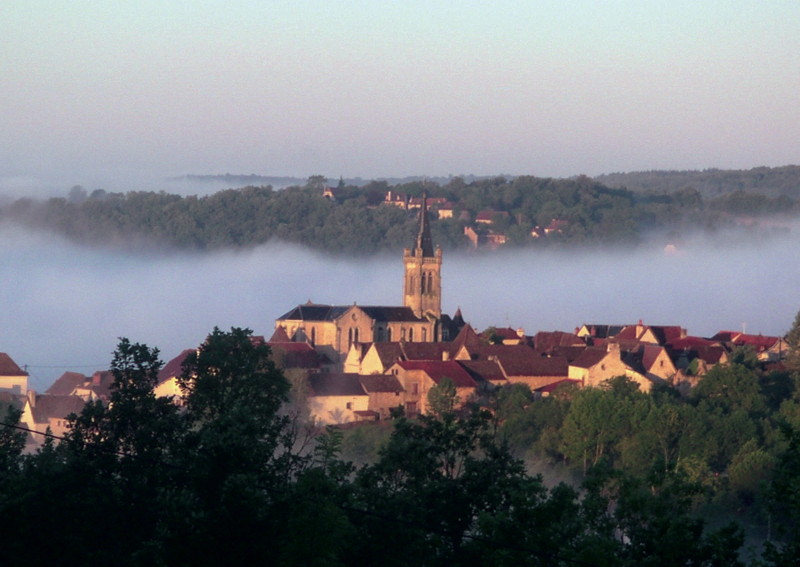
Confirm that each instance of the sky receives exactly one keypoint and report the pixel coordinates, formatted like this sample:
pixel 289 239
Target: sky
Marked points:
pixel 122 95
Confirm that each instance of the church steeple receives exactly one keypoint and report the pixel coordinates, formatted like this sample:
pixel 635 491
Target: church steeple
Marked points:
pixel 422 285
pixel 424 241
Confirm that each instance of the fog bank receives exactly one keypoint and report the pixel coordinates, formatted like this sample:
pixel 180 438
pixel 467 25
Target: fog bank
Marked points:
pixel 64 307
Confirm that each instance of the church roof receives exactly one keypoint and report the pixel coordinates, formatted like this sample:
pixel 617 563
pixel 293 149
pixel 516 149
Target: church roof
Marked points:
pixel 385 314
pixel 314 312
pixel 319 312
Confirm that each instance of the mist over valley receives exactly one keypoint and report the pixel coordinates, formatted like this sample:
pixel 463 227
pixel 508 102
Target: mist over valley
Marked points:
pixel 66 305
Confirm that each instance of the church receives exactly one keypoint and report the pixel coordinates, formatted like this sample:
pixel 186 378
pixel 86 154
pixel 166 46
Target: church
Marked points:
pixel 333 329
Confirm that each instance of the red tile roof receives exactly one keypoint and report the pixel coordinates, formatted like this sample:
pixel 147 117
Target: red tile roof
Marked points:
pixel 48 406
pixel 484 370
pixel 547 341
pixel 67 383
pixel 380 383
pixel 438 370
pixel 8 367
pixel 174 367
pixel 590 357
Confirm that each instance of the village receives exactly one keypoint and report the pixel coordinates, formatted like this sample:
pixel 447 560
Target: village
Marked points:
pixel 359 363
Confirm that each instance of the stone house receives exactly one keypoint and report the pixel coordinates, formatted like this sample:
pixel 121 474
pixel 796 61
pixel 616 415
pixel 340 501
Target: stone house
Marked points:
pixel 12 378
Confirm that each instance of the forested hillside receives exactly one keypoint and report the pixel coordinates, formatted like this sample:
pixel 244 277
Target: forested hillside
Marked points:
pixel 769 181
pixel 358 221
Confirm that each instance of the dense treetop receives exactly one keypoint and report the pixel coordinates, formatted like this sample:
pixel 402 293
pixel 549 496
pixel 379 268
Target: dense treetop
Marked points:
pixel 357 220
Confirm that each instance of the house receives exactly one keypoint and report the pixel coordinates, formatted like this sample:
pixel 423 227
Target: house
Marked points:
pixel 767 348
pixel 288 354
pixel 418 377
pixel 652 361
pixel 47 413
pixel 88 388
pixel 547 342
pixel 384 393
pixel 485 372
pixel 167 385
pixel 490 217
pixel 337 398
pixel 597 365
pixel 12 378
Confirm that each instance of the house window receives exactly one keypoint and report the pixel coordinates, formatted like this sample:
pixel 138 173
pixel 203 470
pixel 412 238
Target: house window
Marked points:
pixel 349 405
pixel 424 335
pixel 414 389
pixel 411 408
pixel 389 334
pixel 313 336
pixel 402 334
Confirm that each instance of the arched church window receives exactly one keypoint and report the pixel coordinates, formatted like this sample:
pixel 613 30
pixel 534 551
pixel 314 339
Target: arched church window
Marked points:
pixel 411 335
pixel 389 334
pixel 313 336
pixel 424 335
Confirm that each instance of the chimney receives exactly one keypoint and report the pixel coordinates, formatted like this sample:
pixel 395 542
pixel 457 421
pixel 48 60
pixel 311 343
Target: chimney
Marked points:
pixel 521 333
pixel 32 398
pixel 445 355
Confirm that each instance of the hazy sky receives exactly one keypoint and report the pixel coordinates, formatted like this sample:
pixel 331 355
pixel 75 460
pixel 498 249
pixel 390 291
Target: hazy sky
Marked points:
pixel 119 92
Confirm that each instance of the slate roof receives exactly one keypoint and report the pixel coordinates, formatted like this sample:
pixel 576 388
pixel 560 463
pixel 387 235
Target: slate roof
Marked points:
pixel 318 312
pixel 314 312
pixel 335 384
pixel 438 370
pixel 380 383
pixel 8 367
pixel 386 314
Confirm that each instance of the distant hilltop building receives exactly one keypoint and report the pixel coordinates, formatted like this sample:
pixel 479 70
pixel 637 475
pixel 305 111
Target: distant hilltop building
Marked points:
pixel 333 329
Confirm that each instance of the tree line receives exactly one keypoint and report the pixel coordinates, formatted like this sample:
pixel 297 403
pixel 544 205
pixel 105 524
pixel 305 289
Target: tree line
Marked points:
pixel 230 476
pixel 356 222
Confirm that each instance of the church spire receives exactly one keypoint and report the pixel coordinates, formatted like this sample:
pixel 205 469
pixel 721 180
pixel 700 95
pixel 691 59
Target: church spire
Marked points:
pixel 424 241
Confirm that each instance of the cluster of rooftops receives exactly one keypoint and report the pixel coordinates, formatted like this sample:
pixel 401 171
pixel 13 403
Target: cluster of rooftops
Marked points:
pixel 377 377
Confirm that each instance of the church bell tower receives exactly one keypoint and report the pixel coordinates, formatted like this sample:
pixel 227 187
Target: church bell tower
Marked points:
pixel 422 285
